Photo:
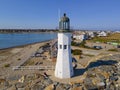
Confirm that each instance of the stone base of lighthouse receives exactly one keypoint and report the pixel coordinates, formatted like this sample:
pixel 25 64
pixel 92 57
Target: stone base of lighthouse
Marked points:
pixel 64 68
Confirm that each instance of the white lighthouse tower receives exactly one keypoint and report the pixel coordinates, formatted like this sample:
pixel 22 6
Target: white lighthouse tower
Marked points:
pixel 64 68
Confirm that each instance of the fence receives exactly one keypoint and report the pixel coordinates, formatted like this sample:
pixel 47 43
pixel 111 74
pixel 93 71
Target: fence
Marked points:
pixel 33 67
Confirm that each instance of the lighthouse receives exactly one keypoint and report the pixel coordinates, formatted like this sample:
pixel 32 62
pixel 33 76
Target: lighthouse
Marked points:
pixel 64 68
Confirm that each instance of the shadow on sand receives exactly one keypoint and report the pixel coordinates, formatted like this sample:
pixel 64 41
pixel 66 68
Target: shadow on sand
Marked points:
pixel 78 72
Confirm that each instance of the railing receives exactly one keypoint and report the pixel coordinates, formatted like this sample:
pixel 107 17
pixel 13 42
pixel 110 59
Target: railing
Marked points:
pixel 33 67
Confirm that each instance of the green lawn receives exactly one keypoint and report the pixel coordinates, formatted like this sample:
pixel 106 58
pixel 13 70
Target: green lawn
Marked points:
pixel 111 38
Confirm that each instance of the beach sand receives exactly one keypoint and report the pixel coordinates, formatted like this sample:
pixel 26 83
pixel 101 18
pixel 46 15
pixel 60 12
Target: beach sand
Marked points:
pixel 16 55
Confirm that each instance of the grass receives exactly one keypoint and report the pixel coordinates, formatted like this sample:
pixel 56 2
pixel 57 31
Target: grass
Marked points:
pixel 31 63
pixel 76 52
pixel 111 38
pixel 82 45
pixel 89 55
pixel 7 65
pixel 74 43
pixel 114 50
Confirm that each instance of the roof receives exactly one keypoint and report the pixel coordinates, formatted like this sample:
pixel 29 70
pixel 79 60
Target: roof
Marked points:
pixel 64 18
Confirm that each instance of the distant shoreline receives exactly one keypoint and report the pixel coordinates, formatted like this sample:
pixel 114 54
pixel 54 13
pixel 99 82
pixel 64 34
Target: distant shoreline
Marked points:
pixel 28 30
pixel 24 32
pixel 20 46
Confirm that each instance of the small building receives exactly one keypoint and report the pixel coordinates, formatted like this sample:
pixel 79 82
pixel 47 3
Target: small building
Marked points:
pixel 102 34
pixel 80 37
pixel 91 34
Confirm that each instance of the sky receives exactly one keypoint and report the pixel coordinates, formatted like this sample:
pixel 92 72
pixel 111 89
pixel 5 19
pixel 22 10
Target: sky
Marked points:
pixel 44 14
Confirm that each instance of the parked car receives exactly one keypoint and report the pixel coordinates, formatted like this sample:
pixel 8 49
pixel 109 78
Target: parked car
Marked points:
pixel 97 47
pixel 118 46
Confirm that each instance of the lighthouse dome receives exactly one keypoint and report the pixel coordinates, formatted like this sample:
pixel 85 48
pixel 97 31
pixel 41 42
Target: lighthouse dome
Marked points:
pixel 64 23
pixel 64 18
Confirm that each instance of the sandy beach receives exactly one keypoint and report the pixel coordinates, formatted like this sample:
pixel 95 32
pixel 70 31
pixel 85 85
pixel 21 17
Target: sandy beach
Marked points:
pixel 16 55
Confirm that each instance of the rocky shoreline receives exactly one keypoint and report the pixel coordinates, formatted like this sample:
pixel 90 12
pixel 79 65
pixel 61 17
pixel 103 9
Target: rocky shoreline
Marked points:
pixel 100 74
pixel 105 76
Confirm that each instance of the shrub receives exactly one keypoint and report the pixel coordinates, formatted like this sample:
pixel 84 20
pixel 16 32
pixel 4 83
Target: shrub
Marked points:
pixel 82 44
pixel 19 59
pixel 74 43
pixel 7 65
pixel 115 50
pixel 31 63
pixel 76 52
pixel 89 55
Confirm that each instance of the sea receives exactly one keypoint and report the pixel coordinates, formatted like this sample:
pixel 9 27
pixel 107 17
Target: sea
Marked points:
pixel 8 40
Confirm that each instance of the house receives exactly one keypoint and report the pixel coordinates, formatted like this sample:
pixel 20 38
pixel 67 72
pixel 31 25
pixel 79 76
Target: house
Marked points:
pixel 80 37
pixel 102 34
pixel 91 34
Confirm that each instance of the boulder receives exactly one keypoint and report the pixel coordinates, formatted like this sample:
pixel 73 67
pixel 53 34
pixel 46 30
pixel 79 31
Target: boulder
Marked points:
pixel 12 88
pixel 50 87
pixel 60 87
pixel 37 87
pixel 20 85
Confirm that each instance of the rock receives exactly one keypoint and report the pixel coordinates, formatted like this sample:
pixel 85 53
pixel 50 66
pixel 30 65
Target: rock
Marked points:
pixel 37 87
pixel 89 85
pixel 20 85
pixel 30 77
pixel 50 87
pixel 47 82
pixel 87 81
pixel 21 89
pixel 27 88
pixel 14 77
pixel 67 86
pixel 12 88
pixel 114 78
pixel 101 85
pixel 59 87
pixel 55 83
pixel 76 85
pixel 77 88
pixel 39 76
pixel 2 81
pixel 112 87
pixel 6 83
pixel 22 79
pixel 101 77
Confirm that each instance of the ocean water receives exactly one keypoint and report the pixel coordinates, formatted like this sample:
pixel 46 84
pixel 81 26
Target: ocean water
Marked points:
pixel 17 39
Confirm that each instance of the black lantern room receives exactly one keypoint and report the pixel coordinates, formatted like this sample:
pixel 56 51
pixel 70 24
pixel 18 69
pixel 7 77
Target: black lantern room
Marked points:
pixel 64 24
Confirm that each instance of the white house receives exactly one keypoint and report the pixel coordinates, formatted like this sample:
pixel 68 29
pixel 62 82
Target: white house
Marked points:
pixel 102 34
pixel 91 34
pixel 80 37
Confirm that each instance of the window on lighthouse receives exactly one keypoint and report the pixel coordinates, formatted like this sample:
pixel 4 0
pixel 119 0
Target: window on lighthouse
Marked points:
pixel 65 46
pixel 60 46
